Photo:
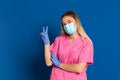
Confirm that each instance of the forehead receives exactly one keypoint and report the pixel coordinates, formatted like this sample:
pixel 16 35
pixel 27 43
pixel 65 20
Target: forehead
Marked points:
pixel 66 18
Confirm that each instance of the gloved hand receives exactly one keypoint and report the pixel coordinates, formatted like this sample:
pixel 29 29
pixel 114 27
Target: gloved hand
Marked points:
pixel 55 60
pixel 44 36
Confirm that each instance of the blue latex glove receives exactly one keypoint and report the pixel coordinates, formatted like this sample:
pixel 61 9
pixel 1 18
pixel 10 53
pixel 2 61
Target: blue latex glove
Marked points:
pixel 44 36
pixel 55 60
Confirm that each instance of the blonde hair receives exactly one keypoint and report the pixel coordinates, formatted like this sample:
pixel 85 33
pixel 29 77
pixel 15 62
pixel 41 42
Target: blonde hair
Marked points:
pixel 80 29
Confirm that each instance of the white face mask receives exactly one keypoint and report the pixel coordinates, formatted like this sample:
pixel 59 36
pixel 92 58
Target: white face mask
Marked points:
pixel 70 28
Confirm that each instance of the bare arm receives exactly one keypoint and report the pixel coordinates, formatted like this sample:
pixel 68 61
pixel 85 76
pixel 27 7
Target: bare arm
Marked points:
pixel 47 55
pixel 77 68
pixel 45 38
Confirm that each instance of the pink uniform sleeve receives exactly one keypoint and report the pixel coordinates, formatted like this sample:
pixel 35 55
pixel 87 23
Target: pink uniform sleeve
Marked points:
pixel 54 46
pixel 86 54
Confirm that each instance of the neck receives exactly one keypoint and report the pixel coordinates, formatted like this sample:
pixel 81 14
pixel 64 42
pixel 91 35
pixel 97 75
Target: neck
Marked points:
pixel 73 36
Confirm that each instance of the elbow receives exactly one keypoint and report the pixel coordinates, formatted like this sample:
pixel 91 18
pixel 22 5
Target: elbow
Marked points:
pixel 81 67
pixel 48 64
pixel 79 70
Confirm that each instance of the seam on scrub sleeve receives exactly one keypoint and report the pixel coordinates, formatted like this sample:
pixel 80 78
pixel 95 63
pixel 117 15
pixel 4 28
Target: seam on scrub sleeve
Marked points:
pixel 54 46
pixel 86 54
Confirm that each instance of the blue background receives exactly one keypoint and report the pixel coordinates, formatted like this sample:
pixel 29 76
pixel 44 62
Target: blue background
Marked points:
pixel 21 47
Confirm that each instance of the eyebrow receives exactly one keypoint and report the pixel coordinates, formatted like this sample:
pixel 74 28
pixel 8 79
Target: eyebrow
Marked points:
pixel 67 21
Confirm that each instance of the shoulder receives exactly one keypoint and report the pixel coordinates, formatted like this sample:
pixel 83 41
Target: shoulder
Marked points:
pixel 87 42
pixel 61 37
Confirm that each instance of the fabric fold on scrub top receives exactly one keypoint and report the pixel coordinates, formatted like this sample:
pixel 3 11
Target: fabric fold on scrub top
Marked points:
pixel 71 53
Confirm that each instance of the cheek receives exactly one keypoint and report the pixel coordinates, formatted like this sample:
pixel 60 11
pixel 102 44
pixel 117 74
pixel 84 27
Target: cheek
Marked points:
pixel 75 24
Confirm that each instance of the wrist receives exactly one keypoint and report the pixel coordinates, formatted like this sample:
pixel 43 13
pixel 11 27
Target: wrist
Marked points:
pixel 60 65
pixel 47 43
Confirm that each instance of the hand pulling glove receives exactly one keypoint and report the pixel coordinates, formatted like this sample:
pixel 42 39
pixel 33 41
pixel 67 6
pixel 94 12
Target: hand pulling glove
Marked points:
pixel 55 60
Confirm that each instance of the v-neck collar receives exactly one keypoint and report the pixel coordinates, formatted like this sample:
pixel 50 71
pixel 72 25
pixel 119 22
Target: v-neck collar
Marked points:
pixel 68 41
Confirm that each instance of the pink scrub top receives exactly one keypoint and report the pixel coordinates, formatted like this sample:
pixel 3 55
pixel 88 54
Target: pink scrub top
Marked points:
pixel 71 53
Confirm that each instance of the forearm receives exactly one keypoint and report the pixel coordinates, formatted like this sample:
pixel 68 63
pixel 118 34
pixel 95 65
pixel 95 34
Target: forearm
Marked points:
pixel 47 55
pixel 77 68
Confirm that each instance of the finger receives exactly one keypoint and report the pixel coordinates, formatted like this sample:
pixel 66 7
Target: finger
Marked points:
pixel 46 29
pixel 43 29
pixel 53 55
pixel 41 34
pixel 51 59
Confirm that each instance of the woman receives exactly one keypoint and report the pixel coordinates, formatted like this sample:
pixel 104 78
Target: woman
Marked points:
pixel 71 52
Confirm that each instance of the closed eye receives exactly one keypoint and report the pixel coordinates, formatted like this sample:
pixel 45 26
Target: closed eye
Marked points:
pixel 69 21
pixel 64 24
